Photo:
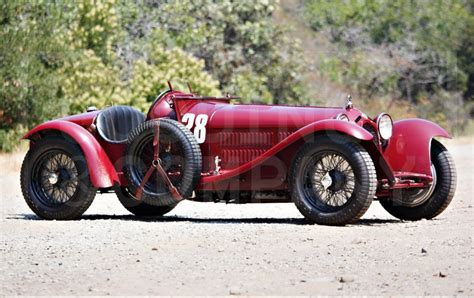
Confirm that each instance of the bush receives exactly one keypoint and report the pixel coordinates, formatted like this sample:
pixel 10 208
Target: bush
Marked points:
pixel 238 41
pixel 57 58
pixel 150 75
pixel 410 50
pixel 30 55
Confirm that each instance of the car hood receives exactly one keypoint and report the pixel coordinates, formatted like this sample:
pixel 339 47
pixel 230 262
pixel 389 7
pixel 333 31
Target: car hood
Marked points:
pixel 268 116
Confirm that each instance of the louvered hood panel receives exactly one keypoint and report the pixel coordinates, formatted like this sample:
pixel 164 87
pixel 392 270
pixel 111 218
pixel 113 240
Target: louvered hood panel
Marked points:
pixel 239 147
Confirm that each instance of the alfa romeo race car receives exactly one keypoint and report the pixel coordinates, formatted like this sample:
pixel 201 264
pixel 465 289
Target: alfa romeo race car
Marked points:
pixel 332 162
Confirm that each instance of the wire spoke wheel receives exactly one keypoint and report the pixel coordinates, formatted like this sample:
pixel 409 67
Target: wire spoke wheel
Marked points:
pixel 55 178
pixel 333 180
pixel 416 204
pixel 330 180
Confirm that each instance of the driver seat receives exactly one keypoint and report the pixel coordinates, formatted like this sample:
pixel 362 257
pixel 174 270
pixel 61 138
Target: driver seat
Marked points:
pixel 115 123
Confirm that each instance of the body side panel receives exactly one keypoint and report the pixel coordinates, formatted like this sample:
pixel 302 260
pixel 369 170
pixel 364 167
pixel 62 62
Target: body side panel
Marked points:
pixel 347 128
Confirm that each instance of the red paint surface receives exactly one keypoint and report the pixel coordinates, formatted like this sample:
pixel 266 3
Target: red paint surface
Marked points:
pixel 257 143
pixel 409 147
pixel 84 119
pixel 101 170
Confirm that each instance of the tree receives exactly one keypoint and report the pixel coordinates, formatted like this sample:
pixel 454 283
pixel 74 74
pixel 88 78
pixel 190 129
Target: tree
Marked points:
pixel 410 50
pixel 30 54
pixel 238 41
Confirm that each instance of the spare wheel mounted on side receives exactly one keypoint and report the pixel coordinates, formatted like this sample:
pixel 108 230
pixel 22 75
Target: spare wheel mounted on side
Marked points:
pixel 179 157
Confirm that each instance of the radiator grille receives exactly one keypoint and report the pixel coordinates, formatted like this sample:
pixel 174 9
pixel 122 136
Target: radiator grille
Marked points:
pixel 374 133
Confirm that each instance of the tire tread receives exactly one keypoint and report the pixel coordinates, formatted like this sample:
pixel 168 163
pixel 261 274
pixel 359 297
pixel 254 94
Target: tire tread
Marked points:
pixel 69 214
pixel 368 182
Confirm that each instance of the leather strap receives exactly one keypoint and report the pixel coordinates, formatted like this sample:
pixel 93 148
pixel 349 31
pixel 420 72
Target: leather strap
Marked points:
pixel 138 194
pixel 156 164
pixel 174 192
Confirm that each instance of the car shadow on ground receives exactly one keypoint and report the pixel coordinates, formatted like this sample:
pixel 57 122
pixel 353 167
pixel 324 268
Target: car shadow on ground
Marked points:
pixel 173 218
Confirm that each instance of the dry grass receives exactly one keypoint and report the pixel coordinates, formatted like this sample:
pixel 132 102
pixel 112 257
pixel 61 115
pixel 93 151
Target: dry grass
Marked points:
pixel 11 162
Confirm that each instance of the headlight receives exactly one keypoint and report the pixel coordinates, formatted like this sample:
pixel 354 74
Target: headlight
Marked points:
pixel 384 125
pixel 342 117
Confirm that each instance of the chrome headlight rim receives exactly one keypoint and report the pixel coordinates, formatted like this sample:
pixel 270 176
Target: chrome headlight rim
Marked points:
pixel 342 117
pixel 384 133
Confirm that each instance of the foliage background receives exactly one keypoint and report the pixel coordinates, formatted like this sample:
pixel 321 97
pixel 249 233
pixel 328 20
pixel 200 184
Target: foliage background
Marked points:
pixel 412 58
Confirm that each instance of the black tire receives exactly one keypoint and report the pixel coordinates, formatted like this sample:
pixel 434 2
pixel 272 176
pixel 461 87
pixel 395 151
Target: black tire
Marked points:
pixel 70 193
pixel 358 184
pixel 443 189
pixel 185 155
pixel 140 208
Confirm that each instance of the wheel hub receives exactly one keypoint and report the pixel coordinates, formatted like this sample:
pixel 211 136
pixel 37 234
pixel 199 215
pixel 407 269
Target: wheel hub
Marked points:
pixel 56 178
pixel 53 178
pixel 326 181
pixel 338 180
pixel 332 180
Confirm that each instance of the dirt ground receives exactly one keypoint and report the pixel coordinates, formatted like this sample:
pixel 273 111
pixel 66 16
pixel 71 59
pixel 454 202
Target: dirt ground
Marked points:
pixel 218 249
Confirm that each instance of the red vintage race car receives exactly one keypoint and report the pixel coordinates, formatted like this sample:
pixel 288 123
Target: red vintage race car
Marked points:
pixel 332 162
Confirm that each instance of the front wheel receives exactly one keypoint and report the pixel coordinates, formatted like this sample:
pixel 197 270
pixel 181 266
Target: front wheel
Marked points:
pixel 430 202
pixel 333 180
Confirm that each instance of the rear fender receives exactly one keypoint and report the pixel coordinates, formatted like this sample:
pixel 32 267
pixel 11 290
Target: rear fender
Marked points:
pixel 101 171
pixel 410 145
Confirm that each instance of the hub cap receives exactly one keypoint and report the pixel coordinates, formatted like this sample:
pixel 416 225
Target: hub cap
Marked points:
pixel 53 178
pixel 326 181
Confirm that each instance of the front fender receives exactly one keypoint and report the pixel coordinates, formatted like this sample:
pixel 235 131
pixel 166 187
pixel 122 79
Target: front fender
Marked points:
pixel 101 171
pixel 410 144
pixel 348 128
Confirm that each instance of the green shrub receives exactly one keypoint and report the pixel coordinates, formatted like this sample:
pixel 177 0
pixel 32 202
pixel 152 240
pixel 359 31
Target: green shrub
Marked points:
pixel 236 40
pixel 150 75
pixel 417 51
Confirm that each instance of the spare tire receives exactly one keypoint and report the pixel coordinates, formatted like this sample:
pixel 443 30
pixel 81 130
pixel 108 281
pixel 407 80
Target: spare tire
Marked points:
pixel 180 157
pixel 140 208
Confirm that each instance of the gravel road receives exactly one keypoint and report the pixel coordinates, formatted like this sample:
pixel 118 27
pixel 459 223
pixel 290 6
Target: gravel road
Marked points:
pixel 218 249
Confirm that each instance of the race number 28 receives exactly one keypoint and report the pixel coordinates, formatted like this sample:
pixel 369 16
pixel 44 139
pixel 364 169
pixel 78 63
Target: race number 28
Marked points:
pixel 199 122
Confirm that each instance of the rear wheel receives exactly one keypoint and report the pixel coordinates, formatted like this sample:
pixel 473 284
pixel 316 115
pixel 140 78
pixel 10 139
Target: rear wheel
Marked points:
pixel 140 208
pixel 333 181
pixel 55 180
pixel 430 202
